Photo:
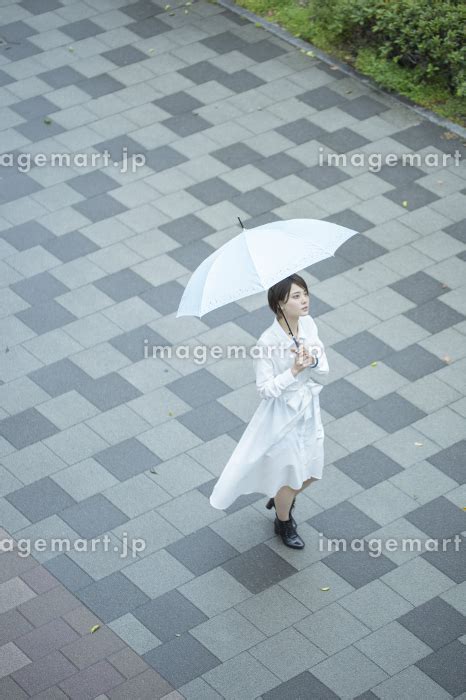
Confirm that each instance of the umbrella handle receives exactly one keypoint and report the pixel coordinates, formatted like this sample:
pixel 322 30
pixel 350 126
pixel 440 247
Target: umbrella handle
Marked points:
pixel 295 341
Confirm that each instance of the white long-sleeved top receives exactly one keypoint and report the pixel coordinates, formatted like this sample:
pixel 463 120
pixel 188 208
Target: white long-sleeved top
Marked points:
pixel 273 367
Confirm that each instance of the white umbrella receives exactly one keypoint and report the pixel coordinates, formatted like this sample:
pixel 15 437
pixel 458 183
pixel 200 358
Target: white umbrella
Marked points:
pixel 256 259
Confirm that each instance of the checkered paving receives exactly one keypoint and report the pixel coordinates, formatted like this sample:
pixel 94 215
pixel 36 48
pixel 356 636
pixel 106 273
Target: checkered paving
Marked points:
pixel 96 439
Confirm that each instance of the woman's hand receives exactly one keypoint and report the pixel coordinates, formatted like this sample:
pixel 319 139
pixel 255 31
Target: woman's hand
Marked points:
pixel 302 359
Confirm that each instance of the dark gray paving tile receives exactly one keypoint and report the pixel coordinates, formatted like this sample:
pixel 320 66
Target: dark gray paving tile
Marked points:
pixel 363 107
pixel 236 155
pixel 202 72
pixel 451 461
pixel 304 685
pixel 26 428
pixel 419 287
pixel 257 201
pixel 165 298
pixel 414 194
pixel 343 140
pixel 186 124
pixel 363 348
pixel 16 51
pixel 112 596
pixel 192 254
pixel 133 343
pixel 322 176
pixel 34 107
pixel 343 520
pixel 122 285
pixel 457 230
pixel 38 7
pixel 39 288
pixel 265 218
pixel 44 673
pixel 178 103
pixel 13 624
pixel 399 175
pixel 434 316
pixel 368 466
pixel 146 686
pixel 213 420
pixel 109 391
pixel 45 317
pixel 435 622
pixel 125 55
pixel 217 317
pixel 224 42
pixel 325 68
pixel 342 397
pixel 169 615
pixel 147 28
pixel 118 147
pixel 101 207
pixel 447 667
pixel 142 10
pixel 127 458
pixel 27 235
pixel 16 31
pixel 425 134
pixel 213 191
pixel 92 183
pixel 255 322
pixel 100 85
pixel 349 218
pixel 181 660
pixel 360 249
pixel 5 79
pixel 38 129
pixel 16 186
pixel 259 568
pixel 439 518
pixel 163 158
pixel 322 98
pixel 187 228
pixel 462 256
pixel 92 682
pixel 46 639
pixel 261 51
pixel 392 412
pixel 82 29
pixel 329 268
pixel 450 559
pixel 93 516
pixel 279 165
pixel 11 690
pixel 413 362
pixel 39 500
pixel 198 388
pixel 70 246
pixel 358 568
pixel 60 377
pixel 240 81
pixel 202 550
pixel 302 131
pixel 68 572
pixel 61 77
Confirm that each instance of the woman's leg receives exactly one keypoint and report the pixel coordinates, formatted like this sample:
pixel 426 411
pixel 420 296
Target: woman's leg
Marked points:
pixel 283 501
pixel 307 483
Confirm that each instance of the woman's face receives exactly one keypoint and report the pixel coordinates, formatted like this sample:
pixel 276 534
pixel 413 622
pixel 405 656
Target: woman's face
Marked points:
pixel 298 302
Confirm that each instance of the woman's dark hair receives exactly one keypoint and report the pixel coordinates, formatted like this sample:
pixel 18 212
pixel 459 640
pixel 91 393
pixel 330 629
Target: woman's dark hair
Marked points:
pixel 281 291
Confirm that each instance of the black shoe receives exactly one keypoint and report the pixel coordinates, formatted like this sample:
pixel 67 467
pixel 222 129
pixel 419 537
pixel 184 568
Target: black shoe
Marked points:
pixel 288 533
pixel 271 504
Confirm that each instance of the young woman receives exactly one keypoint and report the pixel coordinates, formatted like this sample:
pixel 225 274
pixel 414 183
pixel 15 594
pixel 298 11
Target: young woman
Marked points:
pixel 281 451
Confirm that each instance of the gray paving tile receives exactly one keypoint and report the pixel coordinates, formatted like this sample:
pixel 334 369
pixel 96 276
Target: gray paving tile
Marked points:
pixel 457 230
pixel 141 10
pixel 419 287
pixel 22 49
pixel 399 175
pixel 302 131
pixel 360 249
pixel 92 183
pixel 109 391
pixel 70 246
pixel 450 560
pixel 322 176
pixel 349 218
pixel 45 316
pixel 435 622
pixel 170 615
pixel 213 191
pixel 450 461
pixel 368 466
pixel 82 29
pixel 12 626
pixel 363 107
pixel 214 420
pixel 100 85
pixel 192 254
pixel 112 597
pixel 44 673
pixel 447 667
pixel 240 81
pixel 127 458
pixel 341 397
pixel 257 201
pixel 363 348
pixel 18 185
pixel 202 72
pixel 68 572
pixel 392 412
pixel 118 146
pixel 303 685
pixel 415 195
pixel 434 316
pixel 258 568
pixel 413 362
pixel 137 344
pixel 202 551
pixel 186 229
pixel 16 31
pixel 181 659
pixel 279 165
pixel 93 681
pixel 186 124
pixel 5 79
pixel 178 103
pixel 261 51
pixel 40 499
pixel 46 639
pixel 122 285
pixel 343 140
pixel 59 377
pixel 237 155
pixel 38 7
pixel 34 107
pixel 61 77
pixel 100 207
pixel 358 568
pixel 149 27
pixel 439 518
pixel 26 428
pixel 38 129
pixel 124 55
pixel 93 516
pixel 163 158
pixel 224 42
pixel 39 288
pixel 322 98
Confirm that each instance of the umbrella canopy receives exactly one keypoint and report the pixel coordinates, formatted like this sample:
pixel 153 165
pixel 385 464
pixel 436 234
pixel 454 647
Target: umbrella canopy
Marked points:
pixel 256 259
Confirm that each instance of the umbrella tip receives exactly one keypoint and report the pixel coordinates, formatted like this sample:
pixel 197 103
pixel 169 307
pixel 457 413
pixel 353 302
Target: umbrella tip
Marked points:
pixel 240 222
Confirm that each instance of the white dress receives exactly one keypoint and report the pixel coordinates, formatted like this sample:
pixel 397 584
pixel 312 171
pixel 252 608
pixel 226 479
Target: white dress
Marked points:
pixel 283 444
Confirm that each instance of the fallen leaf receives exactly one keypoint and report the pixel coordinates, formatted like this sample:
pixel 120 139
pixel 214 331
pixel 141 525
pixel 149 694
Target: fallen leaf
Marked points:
pixel 151 50
pixel 167 7
pixel 310 53
pixel 177 635
pixel 405 202
pixel 332 67
pixel 257 24
pixel 70 48
pixel 348 92
pixel 152 471
pixel 95 628
pixel 445 286
pixel 419 444
pixel 170 413
pixel 325 588
pixel 47 120
pixel 446 359
pixel 448 135
pixel 373 364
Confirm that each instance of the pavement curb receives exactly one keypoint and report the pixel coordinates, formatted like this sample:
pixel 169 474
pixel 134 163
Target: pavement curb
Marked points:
pixel 343 67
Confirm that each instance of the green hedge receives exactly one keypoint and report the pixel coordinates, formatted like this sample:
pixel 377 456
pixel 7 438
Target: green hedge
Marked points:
pixel 428 36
